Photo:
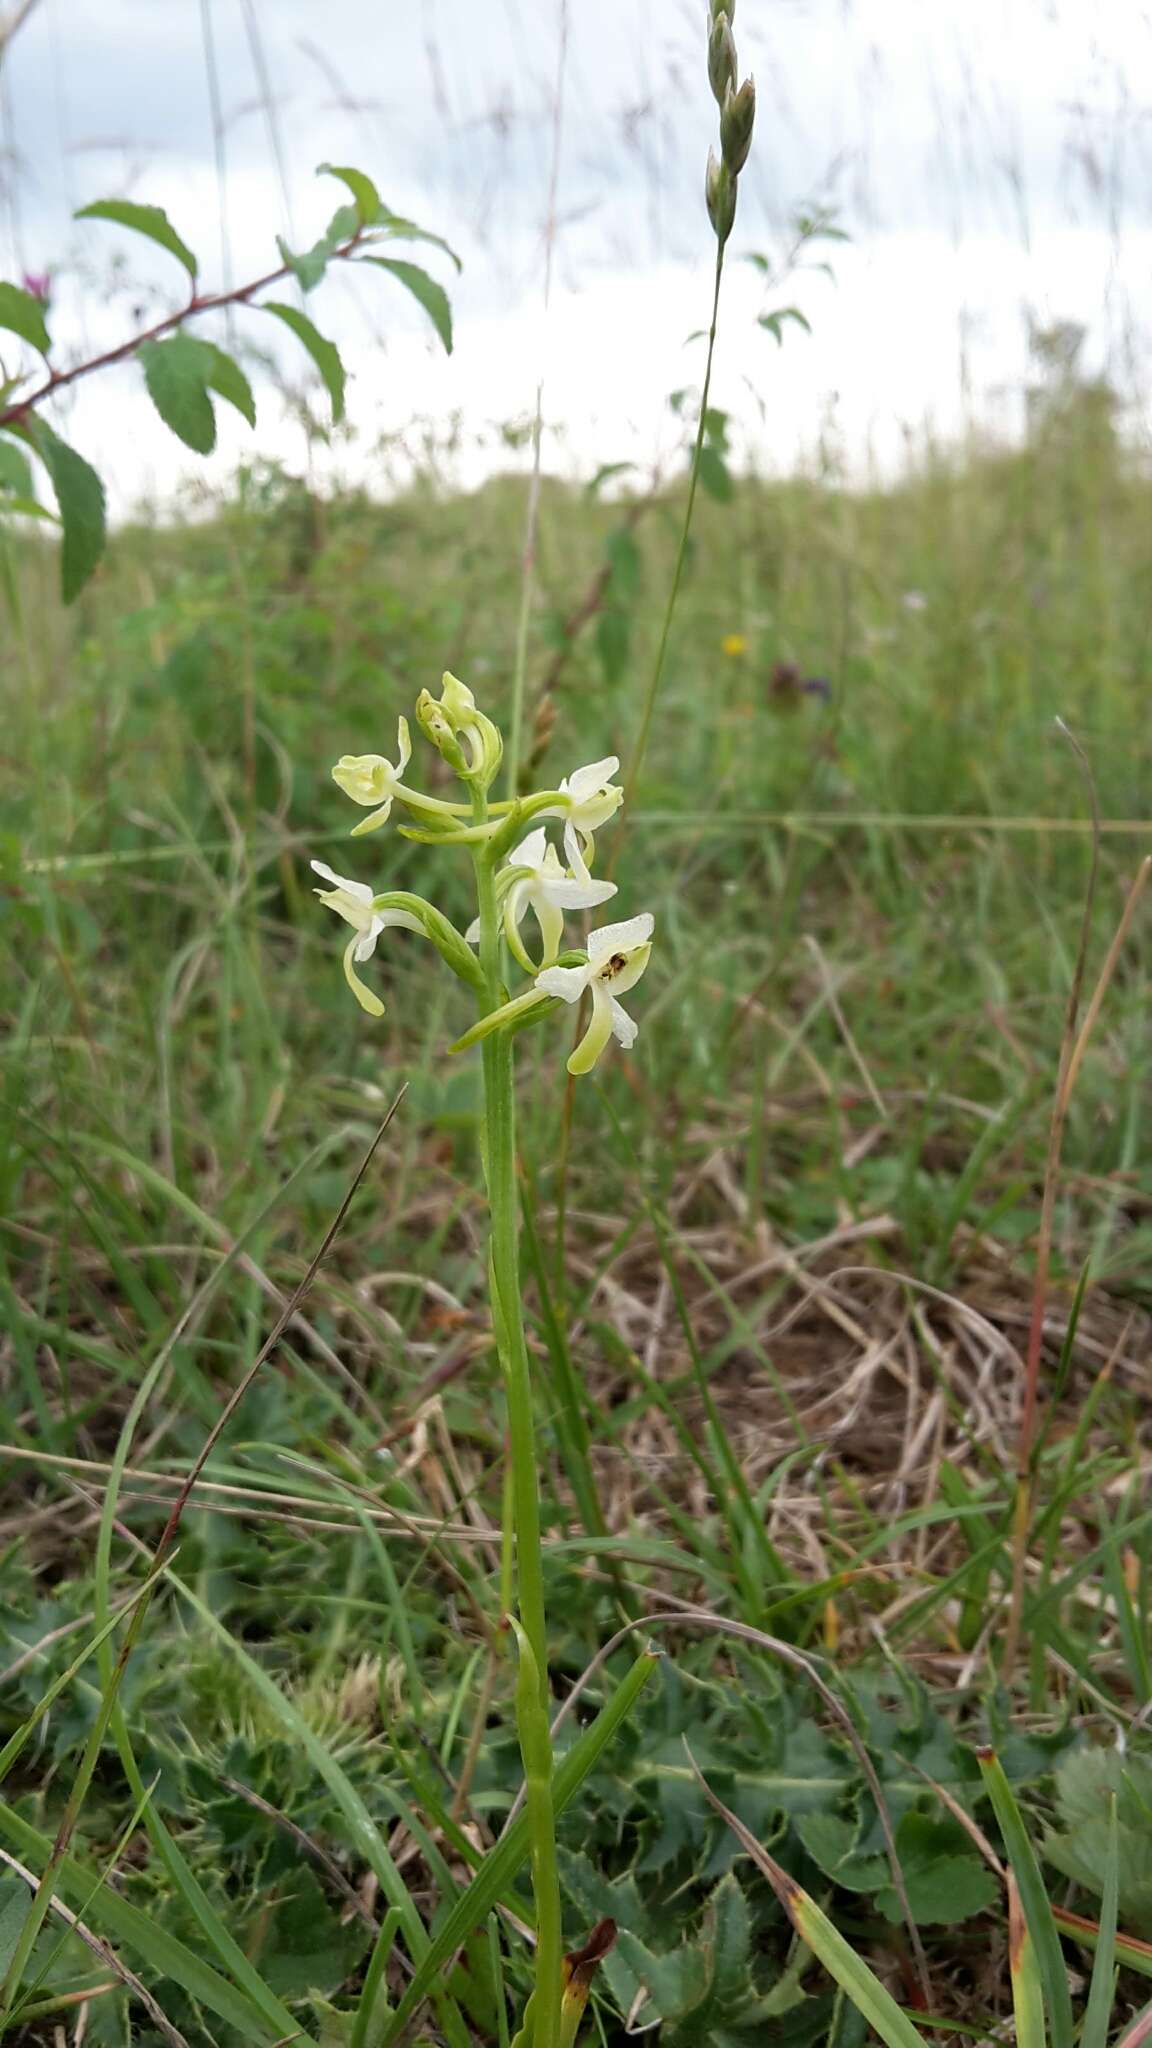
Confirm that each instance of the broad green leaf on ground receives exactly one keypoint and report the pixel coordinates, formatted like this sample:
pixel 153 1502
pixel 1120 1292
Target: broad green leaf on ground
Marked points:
pixel 1079 1846
pixel 431 296
pixel 705 1989
pixel 946 1880
pixel 304 1944
pixel 80 497
pixel 151 221
pixel 323 353
pixel 23 314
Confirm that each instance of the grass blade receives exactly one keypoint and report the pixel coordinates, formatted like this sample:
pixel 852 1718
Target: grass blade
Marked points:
pixel 1033 1899
pixel 1096 2017
pixel 141 1932
pixel 512 1850
pixel 1027 1991
pixel 828 1945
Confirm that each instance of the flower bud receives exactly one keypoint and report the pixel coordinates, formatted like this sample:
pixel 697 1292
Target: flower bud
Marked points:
pixel 719 197
pixel 468 741
pixel 721 58
pixel 727 7
pixel 436 727
pixel 457 702
pixel 737 116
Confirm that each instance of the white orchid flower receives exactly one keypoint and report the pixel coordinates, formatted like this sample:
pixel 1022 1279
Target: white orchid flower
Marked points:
pixel 355 903
pixel 617 957
pixel 590 798
pixel 370 779
pixel 548 891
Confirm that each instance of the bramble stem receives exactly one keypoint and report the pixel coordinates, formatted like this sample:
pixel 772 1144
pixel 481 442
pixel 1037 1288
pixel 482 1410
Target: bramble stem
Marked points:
pixel 508 1325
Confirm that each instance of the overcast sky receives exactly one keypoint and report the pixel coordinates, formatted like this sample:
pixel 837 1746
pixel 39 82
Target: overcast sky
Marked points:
pixel 991 160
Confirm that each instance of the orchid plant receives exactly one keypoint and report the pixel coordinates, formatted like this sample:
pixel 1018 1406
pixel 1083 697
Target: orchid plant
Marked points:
pixel 515 871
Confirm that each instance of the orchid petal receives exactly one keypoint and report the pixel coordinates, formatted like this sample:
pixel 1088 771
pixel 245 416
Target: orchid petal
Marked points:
pixel 624 1028
pixel 569 983
pixel 364 996
pixel 620 938
pixel 599 1031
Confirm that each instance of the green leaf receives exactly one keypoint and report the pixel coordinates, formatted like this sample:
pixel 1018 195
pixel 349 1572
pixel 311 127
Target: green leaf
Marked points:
pixel 21 314
pixel 15 1904
pixel 143 1933
pixel 15 471
pixel 80 496
pixel 1033 1898
pixel 715 476
pixel 432 296
pixel 322 352
pixel 775 323
pixel 501 1863
pixel 1098 2013
pixel 174 372
pixel 225 376
pixel 360 186
pixel 303 1945
pixel 399 229
pixel 151 221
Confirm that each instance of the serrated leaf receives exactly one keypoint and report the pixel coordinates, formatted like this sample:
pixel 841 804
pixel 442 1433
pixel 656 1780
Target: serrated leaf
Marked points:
pixel 150 221
pixel 832 1843
pixel 80 497
pixel 403 230
pixel 430 295
pixel 360 186
pixel 716 476
pixel 21 314
pixel 15 470
pixel 676 1983
pixel 728 1936
pixel 226 377
pixel 174 372
pixel 323 353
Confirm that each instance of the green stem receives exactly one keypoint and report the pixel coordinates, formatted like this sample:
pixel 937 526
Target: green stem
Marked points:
pixel 632 776
pixel 508 1323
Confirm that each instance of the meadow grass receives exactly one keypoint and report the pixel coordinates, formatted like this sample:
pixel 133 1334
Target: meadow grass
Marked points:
pixel 778 1260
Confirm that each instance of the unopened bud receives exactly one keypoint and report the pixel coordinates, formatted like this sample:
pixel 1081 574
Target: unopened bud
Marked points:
pixel 737 116
pixel 721 58
pixel 727 7
pixel 719 197
pixel 435 727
